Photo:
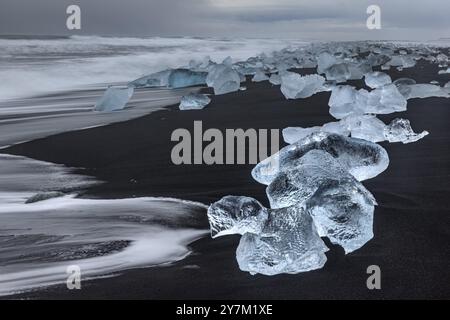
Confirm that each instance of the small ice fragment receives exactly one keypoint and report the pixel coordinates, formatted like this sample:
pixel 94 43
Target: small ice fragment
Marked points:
pixel 377 79
pixel 114 98
pixel 275 79
pixel 324 61
pixel 236 215
pixel 294 86
pixel 260 76
pixel 194 101
pixel 425 90
pixel 399 130
pixel 367 127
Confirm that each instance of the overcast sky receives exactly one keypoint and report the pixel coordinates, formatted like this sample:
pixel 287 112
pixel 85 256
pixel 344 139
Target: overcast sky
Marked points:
pixel 313 19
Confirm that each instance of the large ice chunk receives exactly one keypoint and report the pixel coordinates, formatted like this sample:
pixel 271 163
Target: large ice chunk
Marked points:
pixel 294 86
pixel 223 79
pixel 399 130
pixel 114 98
pixel 342 210
pixel 377 79
pixel 363 159
pixel 299 183
pixel 194 101
pixel 273 241
pixel 288 243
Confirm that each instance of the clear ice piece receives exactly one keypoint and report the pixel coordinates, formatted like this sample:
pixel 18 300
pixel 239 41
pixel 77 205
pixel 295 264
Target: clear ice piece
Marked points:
pixel 342 210
pixel 194 101
pixel 259 76
pixel 399 130
pixel 223 79
pixel 363 159
pixel 295 86
pixel 288 243
pixel 236 215
pixel 297 185
pixel 377 79
pixel 114 98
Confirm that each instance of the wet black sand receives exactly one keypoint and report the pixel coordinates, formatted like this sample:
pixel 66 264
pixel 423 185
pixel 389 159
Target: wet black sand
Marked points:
pixel 411 225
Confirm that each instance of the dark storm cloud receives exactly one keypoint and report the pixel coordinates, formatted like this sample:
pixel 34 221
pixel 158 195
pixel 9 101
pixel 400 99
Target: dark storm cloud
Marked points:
pixel 320 19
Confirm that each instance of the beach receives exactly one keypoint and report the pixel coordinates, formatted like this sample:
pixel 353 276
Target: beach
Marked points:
pixel 133 159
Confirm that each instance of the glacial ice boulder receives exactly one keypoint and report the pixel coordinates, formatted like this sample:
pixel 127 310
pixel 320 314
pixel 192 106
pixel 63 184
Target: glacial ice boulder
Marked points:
pixel 194 101
pixel 399 130
pixel 287 243
pixel 363 159
pixel 273 241
pixel 342 210
pixel 114 98
pixel 300 182
pixel 223 79
pixel 295 86
pixel 377 79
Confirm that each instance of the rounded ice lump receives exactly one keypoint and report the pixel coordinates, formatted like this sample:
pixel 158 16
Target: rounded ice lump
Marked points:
pixel 288 243
pixel 363 159
pixel 273 240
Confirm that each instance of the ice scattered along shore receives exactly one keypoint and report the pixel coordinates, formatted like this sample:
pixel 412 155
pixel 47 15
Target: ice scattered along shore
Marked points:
pixel 366 127
pixel 194 101
pixel 114 98
pixel 317 198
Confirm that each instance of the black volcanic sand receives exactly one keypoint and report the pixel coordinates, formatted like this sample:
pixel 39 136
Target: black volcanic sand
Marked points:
pixel 411 224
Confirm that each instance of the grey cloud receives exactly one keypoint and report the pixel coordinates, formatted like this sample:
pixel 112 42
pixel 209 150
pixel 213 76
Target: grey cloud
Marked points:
pixel 320 19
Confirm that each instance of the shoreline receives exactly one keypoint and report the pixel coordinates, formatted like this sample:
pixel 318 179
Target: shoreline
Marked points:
pixel 133 158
